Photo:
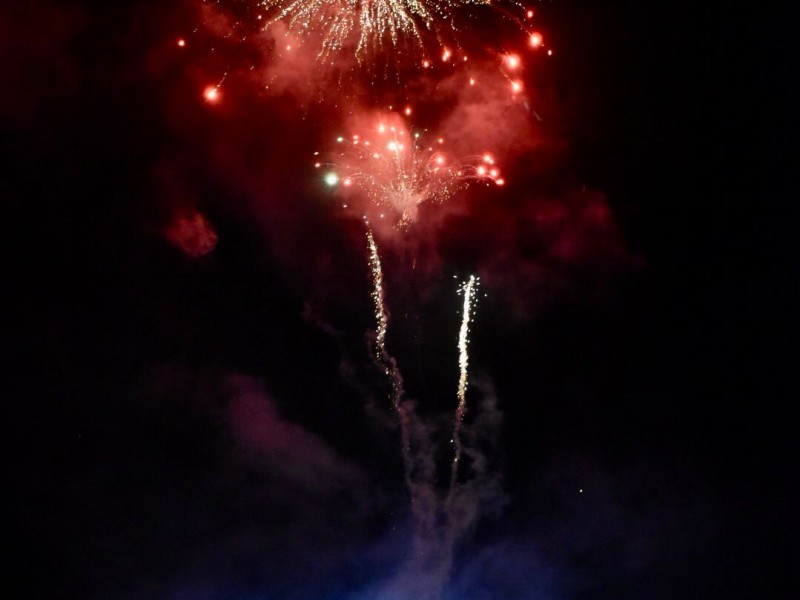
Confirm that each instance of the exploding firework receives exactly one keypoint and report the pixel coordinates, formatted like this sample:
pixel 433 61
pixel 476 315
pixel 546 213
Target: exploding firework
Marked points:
pixel 367 25
pixel 305 46
pixel 398 170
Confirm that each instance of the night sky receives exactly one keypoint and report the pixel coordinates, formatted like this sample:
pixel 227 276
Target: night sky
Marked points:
pixel 192 411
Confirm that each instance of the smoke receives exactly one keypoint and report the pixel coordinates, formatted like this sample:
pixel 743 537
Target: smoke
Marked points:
pixel 487 114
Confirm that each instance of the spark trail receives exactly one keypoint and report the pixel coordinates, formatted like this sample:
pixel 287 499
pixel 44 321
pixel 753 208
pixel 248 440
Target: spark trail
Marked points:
pixel 468 289
pixel 384 358
pixel 418 462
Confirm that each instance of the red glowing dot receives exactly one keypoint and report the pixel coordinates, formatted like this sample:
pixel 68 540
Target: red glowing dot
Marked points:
pixel 530 14
pixel 408 110
pixel 512 60
pixel 181 42
pixel 516 86
pixel 426 64
pixel 211 94
pixel 446 54
pixel 536 39
pixel 500 182
pixel 549 53
pixel 471 81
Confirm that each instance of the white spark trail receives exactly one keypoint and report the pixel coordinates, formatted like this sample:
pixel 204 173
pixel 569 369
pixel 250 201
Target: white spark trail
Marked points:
pixel 468 289
pixel 385 359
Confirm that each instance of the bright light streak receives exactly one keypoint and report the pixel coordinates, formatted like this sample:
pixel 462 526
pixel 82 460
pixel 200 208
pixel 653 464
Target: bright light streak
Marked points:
pixel 469 290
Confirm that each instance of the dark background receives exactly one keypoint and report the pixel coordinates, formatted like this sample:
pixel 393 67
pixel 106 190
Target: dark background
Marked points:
pixel 665 391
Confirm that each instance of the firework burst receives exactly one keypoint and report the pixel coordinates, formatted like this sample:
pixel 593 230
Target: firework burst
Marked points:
pixel 398 170
pixel 366 25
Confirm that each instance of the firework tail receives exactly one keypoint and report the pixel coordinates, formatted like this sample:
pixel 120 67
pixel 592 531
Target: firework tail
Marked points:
pixel 468 289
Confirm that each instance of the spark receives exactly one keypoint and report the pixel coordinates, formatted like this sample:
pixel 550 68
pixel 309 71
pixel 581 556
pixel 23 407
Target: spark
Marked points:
pixel 469 290
pixel 399 170
pixel 536 39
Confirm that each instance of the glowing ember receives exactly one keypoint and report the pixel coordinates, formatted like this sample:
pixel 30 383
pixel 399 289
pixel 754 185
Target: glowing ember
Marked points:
pixel 211 94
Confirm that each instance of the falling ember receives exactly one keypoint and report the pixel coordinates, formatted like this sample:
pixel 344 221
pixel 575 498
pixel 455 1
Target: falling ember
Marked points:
pixel 468 289
pixel 181 42
pixel 516 86
pixel 536 39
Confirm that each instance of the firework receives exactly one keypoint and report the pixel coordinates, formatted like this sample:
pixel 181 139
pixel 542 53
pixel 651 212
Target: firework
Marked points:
pixel 382 355
pixel 468 289
pixel 398 170
pixel 366 25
